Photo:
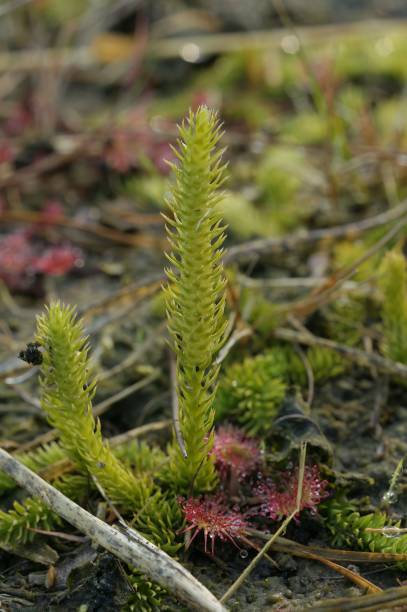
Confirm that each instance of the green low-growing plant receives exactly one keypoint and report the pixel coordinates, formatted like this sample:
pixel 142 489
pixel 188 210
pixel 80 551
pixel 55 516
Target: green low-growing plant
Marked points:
pixel 251 392
pixel 325 364
pixel 349 528
pixel 345 319
pixel 159 517
pixel 393 283
pixel 16 525
pixel 146 596
pixel 36 461
pixel 195 294
pixel 141 457
pixel 160 521
pixel 67 389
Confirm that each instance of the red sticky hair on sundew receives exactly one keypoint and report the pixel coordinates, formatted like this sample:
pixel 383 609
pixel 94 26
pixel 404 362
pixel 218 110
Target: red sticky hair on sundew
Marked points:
pixel 235 454
pixel 211 516
pixel 277 502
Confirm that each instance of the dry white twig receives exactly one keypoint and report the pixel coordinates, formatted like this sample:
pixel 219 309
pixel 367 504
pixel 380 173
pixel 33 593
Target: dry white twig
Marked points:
pixel 136 551
pixel 234 338
pixel 355 355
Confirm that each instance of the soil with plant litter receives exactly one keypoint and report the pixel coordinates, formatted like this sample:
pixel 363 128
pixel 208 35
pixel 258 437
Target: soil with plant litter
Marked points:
pixel 369 458
pixel 83 181
pixel 364 452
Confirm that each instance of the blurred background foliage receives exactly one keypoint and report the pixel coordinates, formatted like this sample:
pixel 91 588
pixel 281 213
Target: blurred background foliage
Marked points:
pixel 313 100
pixel 314 116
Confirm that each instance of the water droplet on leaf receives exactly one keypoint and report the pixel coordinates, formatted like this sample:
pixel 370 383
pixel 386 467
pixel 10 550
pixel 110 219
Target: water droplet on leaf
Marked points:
pixel 390 497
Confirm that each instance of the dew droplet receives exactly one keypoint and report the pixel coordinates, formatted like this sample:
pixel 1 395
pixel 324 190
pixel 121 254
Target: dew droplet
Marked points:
pixel 290 44
pixel 243 553
pixel 191 52
pixel 384 47
pixel 390 497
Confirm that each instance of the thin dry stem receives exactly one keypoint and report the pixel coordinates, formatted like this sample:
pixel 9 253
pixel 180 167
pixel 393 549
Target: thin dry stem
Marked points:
pixel 358 356
pixel 263 246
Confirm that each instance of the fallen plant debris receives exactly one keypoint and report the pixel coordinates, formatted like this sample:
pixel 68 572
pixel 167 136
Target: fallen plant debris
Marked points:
pixel 259 465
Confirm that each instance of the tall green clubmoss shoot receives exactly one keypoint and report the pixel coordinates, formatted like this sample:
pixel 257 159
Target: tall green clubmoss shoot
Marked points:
pixel 393 283
pixel 195 293
pixel 67 390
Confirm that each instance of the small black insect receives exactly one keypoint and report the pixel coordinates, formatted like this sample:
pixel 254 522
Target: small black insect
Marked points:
pixel 32 353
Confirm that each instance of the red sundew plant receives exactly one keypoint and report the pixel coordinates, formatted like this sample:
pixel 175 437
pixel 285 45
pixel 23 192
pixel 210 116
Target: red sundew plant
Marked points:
pixel 236 455
pixel 50 215
pixel 21 259
pixel 15 258
pixel 277 502
pixel 20 120
pixel 6 153
pixel 126 149
pixel 56 261
pixel 120 153
pixel 211 516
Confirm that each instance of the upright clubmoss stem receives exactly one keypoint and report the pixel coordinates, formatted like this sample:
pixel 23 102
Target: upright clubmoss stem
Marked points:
pixel 393 283
pixel 195 294
pixel 67 391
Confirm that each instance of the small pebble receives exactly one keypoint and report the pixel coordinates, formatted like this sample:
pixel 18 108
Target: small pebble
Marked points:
pixel 353 592
pixel 287 563
pixel 274 598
